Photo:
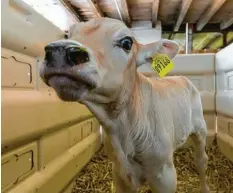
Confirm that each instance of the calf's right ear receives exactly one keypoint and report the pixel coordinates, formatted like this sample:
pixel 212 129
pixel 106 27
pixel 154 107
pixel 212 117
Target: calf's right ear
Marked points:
pixel 164 46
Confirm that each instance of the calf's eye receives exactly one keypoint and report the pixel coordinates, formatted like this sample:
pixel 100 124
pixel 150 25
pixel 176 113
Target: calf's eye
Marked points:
pixel 126 43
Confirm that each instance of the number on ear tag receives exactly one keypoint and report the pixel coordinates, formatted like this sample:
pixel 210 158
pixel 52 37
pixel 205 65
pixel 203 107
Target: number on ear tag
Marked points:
pixel 162 64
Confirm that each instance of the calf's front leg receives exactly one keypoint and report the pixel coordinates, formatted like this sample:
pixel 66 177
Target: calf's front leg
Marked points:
pixel 121 186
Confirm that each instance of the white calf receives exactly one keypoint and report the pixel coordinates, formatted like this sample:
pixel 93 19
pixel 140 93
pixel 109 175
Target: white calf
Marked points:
pixel 145 119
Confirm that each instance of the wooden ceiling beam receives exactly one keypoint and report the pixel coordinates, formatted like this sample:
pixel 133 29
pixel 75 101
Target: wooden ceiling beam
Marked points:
pixel 155 9
pixel 207 15
pixel 209 27
pixel 226 23
pixel 183 10
pixel 70 9
pixel 95 8
pixel 123 11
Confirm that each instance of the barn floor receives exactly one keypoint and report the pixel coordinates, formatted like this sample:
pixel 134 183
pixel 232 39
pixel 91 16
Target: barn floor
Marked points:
pixel 96 176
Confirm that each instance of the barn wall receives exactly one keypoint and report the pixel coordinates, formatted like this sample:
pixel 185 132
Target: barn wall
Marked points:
pixel 24 30
pixel 224 100
pixel 45 142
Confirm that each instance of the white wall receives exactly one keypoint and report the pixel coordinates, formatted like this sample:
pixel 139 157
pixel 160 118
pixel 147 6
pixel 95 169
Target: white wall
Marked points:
pixel 224 100
pixel 144 33
pixel 24 30
pixel 224 68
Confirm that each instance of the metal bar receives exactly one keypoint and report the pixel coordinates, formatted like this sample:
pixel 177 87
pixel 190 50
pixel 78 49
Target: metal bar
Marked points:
pixel 188 38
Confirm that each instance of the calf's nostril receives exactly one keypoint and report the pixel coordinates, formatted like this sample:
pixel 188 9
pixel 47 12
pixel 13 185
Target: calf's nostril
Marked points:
pixel 77 55
pixel 49 47
pixel 48 52
pixel 48 55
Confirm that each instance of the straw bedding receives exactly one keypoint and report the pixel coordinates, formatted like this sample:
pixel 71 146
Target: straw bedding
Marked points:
pixel 96 176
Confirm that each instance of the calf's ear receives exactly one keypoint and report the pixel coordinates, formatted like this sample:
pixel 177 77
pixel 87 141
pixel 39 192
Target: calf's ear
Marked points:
pixel 164 46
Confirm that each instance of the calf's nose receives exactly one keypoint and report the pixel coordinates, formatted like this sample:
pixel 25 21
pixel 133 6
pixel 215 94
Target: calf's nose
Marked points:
pixel 65 52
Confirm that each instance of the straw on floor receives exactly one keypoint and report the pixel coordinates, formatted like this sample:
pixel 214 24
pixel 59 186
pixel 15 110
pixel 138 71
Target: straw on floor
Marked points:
pixel 96 176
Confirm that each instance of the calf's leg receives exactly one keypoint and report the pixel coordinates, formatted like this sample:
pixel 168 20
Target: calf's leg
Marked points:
pixel 121 186
pixel 201 158
pixel 165 180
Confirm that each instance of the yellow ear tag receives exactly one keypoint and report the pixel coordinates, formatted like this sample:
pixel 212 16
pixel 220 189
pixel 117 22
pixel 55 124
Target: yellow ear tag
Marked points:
pixel 162 64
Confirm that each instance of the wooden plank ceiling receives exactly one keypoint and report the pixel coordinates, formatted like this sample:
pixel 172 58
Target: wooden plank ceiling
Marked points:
pixel 207 16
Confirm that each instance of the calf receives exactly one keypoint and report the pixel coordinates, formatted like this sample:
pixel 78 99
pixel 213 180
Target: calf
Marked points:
pixel 145 119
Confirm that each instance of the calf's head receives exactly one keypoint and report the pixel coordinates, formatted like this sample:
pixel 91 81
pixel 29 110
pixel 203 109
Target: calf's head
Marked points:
pixel 97 57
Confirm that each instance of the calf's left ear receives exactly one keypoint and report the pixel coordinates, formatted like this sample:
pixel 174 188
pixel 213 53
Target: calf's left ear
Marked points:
pixel 164 46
